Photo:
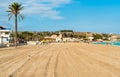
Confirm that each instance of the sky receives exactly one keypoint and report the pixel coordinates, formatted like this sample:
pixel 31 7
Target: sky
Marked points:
pixel 53 15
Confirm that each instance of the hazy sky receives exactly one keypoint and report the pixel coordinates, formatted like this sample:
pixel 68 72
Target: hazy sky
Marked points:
pixel 78 15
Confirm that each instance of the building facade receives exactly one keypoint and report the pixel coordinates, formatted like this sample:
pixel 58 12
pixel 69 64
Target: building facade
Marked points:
pixel 4 35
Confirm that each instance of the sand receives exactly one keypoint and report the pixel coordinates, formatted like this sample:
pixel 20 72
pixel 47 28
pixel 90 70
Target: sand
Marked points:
pixel 60 60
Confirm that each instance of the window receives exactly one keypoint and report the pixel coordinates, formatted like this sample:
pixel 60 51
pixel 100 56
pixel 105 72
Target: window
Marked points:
pixel 6 33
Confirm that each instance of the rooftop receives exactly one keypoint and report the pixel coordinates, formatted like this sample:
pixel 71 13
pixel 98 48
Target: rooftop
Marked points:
pixel 2 28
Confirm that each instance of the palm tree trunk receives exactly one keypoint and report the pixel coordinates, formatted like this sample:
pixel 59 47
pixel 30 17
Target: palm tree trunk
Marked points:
pixel 15 37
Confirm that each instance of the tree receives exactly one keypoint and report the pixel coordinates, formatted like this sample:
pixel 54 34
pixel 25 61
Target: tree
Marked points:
pixel 14 10
pixel 66 30
pixel 97 36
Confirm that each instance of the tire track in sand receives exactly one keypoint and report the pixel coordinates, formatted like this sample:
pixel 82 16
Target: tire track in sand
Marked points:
pixel 51 65
pixel 29 58
pixel 56 65
pixel 31 68
pixel 47 66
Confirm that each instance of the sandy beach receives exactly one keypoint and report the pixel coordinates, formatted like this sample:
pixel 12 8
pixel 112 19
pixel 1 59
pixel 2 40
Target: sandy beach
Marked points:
pixel 60 60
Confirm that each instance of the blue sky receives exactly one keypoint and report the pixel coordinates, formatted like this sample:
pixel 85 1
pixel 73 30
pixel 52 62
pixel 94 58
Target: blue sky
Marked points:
pixel 79 15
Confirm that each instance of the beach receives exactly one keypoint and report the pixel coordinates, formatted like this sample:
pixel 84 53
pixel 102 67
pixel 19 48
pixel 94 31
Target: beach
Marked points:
pixel 60 60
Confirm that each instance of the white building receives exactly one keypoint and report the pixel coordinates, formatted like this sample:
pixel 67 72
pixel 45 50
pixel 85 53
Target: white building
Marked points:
pixel 91 38
pixel 57 38
pixel 113 38
pixel 4 35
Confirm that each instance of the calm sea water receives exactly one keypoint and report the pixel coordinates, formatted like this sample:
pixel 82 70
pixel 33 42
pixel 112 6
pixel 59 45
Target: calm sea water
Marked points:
pixel 111 43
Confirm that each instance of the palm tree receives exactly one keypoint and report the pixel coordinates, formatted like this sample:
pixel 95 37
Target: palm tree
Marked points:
pixel 14 10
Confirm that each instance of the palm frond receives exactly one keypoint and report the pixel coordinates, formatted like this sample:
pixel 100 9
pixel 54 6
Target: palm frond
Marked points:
pixel 10 14
pixel 21 8
pixel 10 17
pixel 8 11
pixel 11 8
pixel 15 9
pixel 22 16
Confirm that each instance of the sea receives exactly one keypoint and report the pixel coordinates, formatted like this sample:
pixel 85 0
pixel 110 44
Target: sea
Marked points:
pixel 117 43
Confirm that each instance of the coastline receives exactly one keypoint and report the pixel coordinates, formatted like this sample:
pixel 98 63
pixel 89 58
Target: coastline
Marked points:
pixel 115 43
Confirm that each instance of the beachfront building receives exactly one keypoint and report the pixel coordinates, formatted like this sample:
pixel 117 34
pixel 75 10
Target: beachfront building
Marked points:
pixel 56 38
pixel 115 38
pixel 67 39
pixel 90 38
pixel 4 35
